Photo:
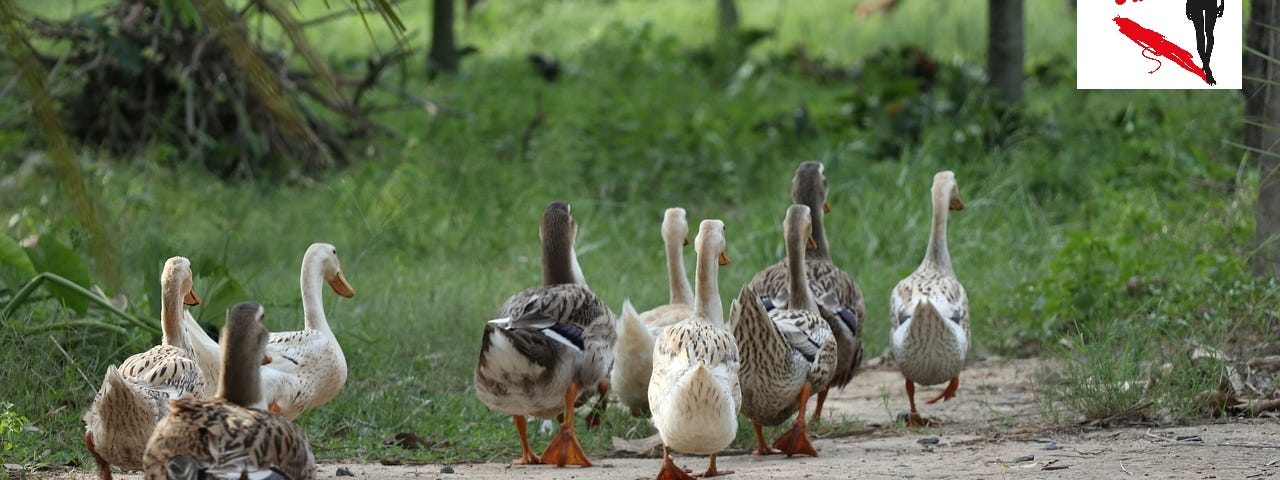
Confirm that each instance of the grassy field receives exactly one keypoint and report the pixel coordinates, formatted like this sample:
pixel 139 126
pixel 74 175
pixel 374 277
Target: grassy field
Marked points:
pixel 1098 222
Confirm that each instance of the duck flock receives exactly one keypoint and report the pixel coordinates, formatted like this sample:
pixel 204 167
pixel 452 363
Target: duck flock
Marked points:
pixel 193 407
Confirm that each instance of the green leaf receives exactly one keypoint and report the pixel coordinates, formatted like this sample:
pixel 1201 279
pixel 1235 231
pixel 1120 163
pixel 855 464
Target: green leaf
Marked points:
pixel 53 256
pixel 15 266
pixel 218 291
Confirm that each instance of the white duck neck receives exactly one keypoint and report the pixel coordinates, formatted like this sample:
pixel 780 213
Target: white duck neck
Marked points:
pixel 312 280
pixel 171 297
pixel 681 293
pixel 707 303
pixel 936 254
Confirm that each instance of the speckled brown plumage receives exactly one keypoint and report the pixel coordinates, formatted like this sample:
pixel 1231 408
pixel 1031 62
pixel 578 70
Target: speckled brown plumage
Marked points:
pixel 223 435
pixel 839 298
pixel 786 352
pixel 134 396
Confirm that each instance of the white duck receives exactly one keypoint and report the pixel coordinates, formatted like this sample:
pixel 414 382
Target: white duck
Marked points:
pixel 633 354
pixel 930 334
pixel 694 392
pixel 308 367
pixel 788 352
pixel 549 343
pixel 133 397
pixel 224 437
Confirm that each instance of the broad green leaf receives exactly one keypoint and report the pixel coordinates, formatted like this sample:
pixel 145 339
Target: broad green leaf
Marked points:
pixel 51 255
pixel 218 291
pixel 15 266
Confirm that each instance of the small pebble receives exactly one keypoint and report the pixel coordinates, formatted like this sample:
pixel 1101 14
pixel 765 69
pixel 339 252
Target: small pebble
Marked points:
pixel 446 469
pixel 1189 438
pixel 344 472
pixel 928 441
pixel 1024 458
pixel 1052 446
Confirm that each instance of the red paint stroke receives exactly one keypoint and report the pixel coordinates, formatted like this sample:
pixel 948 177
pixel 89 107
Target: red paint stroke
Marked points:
pixel 1152 41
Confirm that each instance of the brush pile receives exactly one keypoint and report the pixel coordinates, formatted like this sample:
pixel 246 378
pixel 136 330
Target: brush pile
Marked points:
pixel 185 81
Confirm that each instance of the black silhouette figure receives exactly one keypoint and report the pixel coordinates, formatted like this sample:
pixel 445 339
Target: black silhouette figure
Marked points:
pixel 1204 15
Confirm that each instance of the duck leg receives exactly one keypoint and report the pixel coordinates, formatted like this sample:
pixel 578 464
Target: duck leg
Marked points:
pixel 104 468
pixel 564 449
pixel 761 447
pixel 711 470
pixel 527 457
pixel 914 419
pixel 670 471
pixel 596 417
pixel 796 440
pixel 949 393
pixel 817 409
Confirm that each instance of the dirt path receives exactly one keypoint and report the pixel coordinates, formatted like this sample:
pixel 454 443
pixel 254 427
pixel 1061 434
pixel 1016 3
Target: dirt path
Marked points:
pixel 989 431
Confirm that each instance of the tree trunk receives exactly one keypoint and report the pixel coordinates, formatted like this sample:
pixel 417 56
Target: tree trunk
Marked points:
pixel 443 57
pixel 1004 50
pixel 727 13
pixel 1262 100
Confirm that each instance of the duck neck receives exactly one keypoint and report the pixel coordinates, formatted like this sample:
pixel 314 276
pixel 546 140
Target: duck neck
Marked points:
pixel 798 297
pixel 707 304
pixel 171 315
pixel 676 276
pixel 312 280
pixel 819 235
pixel 241 378
pixel 936 254
pixel 560 265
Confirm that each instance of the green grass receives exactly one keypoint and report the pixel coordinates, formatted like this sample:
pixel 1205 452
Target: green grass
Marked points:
pixel 1067 202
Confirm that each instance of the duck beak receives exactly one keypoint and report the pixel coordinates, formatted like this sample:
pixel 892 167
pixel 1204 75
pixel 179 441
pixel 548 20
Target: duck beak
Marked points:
pixel 340 286
pixel 686 241
pixel 724 258
pixel 191 298
pixel 266 359
pixel 826 208
pixel 811 244
pixel 956 204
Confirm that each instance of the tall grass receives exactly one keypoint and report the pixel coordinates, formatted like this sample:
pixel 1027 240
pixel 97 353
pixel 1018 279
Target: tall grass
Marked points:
pixel 1079 193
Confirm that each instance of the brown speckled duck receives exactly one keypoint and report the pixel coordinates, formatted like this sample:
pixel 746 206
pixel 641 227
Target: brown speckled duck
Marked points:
pixel 308 368
pixel 694 391
pixel 633 354
pixel 133 397
pixel 787 352
pixel 930 335
pixel 548 344
pixel 839 299
pixel 223 437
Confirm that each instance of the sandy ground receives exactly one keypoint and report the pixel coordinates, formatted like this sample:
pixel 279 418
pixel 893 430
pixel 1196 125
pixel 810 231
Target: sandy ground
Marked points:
pixel 991 430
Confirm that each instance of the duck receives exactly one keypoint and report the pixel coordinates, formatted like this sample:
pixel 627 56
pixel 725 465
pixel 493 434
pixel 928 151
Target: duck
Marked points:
pixel 223 436
pixel 694 392
pixel 548 344
pixel 133 396
pixel 929 330
pixel 786 353
pixel 308 368
pixel 840 300
pixel 633 354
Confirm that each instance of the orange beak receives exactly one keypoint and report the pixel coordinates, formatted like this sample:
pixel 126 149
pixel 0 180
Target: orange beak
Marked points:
pixel 191 298
pixel 956 204
pixel 686 241
pixel 266 359
pixel 724 258
pixel 340 286
pixel 811 244
pixel 826 207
